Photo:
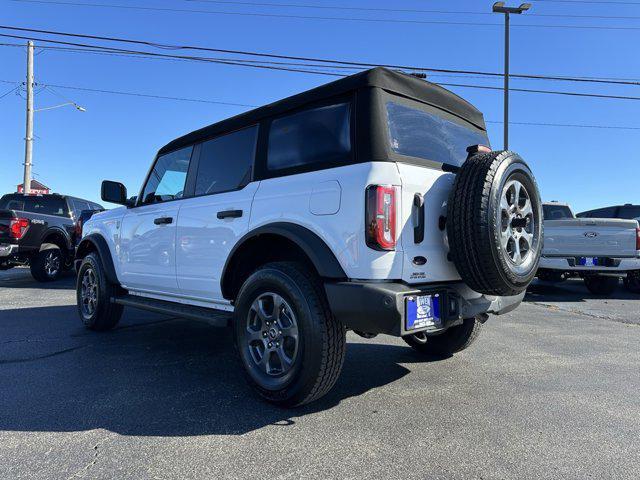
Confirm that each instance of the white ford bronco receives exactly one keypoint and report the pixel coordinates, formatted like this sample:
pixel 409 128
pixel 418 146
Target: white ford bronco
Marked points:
pixel 371 203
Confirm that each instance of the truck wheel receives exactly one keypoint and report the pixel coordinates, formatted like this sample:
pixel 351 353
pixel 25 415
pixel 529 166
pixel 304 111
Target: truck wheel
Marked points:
pixel 494 223
pixel 632 282
pixel 47 264
pixel 93 295
pixel 291 346
pixel 600 285
pixel 453 340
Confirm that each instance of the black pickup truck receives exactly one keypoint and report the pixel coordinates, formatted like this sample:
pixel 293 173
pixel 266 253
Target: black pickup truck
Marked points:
pixel 42 231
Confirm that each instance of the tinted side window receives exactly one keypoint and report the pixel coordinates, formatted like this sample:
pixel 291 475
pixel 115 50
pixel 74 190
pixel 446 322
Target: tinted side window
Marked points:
pixel 629 212
pixel 556 212
pixel 46 206
pixel 167 179
pixel 317 135
pixel 79 206
pixel 226 162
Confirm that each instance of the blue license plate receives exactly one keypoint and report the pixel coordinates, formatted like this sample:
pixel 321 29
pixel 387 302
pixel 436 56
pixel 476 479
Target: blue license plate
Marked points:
pixel 423 311
pixel 588 261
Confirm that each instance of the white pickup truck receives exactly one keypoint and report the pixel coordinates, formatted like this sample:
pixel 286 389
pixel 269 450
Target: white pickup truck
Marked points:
pixel 600 250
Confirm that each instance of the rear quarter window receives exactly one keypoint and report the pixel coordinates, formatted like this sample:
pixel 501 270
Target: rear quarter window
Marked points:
pixel 320 135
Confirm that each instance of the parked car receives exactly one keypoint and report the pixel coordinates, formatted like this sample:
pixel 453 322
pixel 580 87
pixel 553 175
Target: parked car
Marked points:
pixel 365 204
pixel 626 211
pixel 41 231
pixel 600 250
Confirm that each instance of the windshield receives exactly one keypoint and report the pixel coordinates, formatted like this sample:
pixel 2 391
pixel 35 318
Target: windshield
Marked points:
pixel 419 133
pixel 556 212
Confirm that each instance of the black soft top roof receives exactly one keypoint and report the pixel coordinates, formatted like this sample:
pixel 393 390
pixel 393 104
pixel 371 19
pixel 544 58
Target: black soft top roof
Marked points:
pixel 392 81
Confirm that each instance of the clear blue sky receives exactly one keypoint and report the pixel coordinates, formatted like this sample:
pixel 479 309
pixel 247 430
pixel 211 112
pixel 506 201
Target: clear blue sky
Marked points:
pixel 118 135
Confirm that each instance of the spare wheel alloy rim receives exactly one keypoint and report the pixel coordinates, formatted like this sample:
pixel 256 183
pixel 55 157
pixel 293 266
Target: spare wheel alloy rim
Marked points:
pixel 518 226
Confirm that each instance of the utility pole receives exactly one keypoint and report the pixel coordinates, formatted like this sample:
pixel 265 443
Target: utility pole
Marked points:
pixel 499 7
pixel 28 139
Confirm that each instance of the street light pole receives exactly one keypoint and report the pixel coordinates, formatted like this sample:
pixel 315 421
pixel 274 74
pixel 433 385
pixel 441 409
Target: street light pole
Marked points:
pixel 499 7
pixel 28 139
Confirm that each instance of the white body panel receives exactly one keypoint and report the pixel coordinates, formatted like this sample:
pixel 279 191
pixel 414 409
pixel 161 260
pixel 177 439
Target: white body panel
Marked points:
pixel 186 258
pixel 204 241
pixel 147 258
pixel 299 198
pixel 434 186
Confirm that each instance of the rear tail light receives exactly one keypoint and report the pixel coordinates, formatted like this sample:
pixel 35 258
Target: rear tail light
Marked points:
pixel 17 227
pixel 637 238
pixel 380 217
pixel 78 229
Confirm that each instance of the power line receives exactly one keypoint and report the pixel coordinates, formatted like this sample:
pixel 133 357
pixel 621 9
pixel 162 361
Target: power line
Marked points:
pixel 298 58
pixel 402 10
pixel 312 17
pixel 217 102
pixel 206 59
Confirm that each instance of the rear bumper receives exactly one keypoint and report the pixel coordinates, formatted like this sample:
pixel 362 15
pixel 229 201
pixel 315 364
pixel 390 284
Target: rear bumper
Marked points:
pixel 7 250
pixel 380 307
pixel 568 264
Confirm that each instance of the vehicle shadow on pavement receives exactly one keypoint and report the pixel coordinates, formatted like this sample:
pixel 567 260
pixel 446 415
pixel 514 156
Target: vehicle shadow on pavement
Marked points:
pixel 151 376
pixel 18 278
pixel 571 291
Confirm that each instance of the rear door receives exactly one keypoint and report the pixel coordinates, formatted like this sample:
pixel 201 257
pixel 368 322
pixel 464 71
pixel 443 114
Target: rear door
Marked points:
pixel 211 223
pixel 427 143
pixel 147 250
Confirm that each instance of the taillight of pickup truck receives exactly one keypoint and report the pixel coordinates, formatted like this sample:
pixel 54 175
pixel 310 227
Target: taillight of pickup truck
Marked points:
pixel 637 238
pixel 17 227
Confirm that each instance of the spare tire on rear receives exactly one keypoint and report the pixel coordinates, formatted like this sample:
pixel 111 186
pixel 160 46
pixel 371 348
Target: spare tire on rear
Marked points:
pixel 494 223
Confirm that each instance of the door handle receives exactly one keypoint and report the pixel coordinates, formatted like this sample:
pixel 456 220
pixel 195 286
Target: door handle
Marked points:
pixel 230 214
pixel 163 220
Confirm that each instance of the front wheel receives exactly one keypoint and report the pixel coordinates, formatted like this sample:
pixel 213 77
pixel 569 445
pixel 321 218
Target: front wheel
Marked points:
pixel 291 346
pixel 453 340
pixel 601 285
pixel 94 293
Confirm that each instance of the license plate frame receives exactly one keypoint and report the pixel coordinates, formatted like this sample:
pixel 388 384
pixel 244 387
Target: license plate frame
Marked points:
pixel 422 311
pixel 588 261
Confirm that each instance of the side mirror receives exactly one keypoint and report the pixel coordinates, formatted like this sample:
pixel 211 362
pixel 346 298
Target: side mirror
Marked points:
pixel 114 192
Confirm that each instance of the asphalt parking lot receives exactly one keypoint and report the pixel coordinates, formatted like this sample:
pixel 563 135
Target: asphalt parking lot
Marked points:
pixel 551 390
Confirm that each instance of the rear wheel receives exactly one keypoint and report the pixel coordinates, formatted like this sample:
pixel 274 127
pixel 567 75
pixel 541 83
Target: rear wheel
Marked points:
pixel 454 340
pixel 94 293
pixel 601 285
pixel 47 264
pixel 291 346
pixel 632 282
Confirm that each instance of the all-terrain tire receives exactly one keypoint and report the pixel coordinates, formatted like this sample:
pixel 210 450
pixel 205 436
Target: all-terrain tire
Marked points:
pixel 601 285
pixel 47 264
pixel 476 225
pixel 97 310
pixel 454 340
pixel 632 282
pixel 317 361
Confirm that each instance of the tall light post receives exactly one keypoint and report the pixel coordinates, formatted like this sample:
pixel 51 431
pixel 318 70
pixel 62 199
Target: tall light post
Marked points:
pixel 499 7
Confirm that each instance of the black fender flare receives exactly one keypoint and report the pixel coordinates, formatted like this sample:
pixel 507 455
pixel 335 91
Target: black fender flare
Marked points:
pixel 60 232
pixel 98 243
pixel 321 256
